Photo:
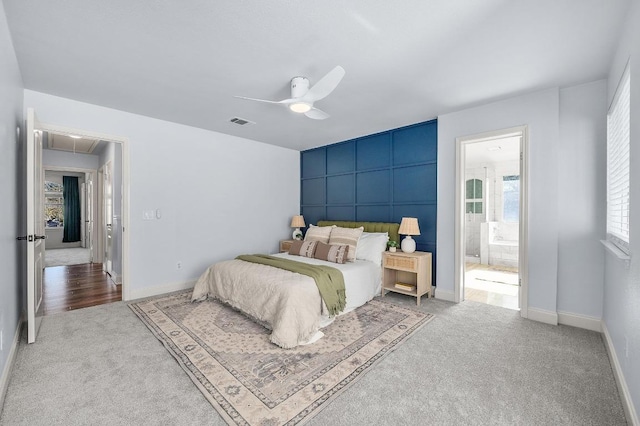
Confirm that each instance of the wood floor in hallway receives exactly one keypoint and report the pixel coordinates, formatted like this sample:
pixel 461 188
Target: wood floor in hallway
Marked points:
pixel 77 286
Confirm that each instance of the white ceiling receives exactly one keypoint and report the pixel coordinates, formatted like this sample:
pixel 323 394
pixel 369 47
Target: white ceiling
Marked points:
pixel 492 151
pixel 405 62
pixel 67 143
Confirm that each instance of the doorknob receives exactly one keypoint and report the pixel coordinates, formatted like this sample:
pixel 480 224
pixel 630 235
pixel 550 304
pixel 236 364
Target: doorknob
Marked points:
pixel 31 238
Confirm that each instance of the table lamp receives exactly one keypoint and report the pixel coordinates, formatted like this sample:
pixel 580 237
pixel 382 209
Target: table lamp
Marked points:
pixel 409 227
pixel 297 222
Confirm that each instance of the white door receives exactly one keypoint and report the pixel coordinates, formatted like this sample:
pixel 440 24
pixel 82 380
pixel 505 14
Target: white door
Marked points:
pixel 35 227
pixel 107 202
pixel 89 214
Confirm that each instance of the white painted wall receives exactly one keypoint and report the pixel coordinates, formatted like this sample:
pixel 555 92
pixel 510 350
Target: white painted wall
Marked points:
pixel 621 314
pixel 540 111
pixel 12 206
pixel 582 194
pixel 220 195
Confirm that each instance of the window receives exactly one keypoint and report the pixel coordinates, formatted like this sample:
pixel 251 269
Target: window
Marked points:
pixel 53 205
pixel 618 122
pixel 511 198
pixel 474 196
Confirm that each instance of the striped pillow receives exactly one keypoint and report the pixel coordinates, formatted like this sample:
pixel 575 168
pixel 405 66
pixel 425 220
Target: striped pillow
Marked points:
pixel 318 233
pixel 348 236
pixel 303 248
pixel 332 253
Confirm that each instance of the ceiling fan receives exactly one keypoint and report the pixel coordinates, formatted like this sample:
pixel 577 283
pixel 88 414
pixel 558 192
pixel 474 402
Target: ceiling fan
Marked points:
pixel 303 97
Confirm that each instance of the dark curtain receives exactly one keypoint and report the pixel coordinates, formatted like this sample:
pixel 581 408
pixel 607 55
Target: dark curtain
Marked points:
pixel 71 193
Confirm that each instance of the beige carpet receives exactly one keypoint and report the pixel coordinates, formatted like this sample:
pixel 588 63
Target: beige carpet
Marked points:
pixel 249 380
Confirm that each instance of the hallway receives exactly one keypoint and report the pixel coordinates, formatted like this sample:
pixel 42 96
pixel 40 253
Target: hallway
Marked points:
pixel 77 286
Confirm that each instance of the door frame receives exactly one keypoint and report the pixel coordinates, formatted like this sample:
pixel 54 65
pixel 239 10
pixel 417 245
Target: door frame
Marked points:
pixel 94 174
pixel 459 234
pixel 100 215
pixel 124 142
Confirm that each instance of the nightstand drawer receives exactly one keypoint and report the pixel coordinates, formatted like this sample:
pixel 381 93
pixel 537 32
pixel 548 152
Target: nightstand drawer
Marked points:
pixel 400 262
pixel 285 245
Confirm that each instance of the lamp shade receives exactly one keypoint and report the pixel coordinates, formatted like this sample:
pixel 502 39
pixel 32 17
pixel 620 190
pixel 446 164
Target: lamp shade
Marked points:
pixel 297 222
pixel 409 226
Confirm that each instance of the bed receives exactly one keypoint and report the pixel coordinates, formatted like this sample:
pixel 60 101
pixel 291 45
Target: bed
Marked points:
pixel 289 303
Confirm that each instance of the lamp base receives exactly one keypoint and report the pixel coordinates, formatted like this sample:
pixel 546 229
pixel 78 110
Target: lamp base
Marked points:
pixel 408 245
pixel 297 234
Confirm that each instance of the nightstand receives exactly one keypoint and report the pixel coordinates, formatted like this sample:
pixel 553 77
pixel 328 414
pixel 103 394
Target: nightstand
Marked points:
pixel 285 245
pixel 407 273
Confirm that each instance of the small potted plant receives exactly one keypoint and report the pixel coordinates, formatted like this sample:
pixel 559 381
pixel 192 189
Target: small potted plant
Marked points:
pixel 393 245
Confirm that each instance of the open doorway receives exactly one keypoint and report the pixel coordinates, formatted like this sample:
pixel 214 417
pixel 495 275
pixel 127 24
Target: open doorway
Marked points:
pixel 491 221
pixel 69 235
pixel 75 275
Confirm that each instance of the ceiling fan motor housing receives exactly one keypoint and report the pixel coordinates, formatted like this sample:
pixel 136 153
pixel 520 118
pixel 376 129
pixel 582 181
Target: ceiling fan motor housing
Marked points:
pixel 299 86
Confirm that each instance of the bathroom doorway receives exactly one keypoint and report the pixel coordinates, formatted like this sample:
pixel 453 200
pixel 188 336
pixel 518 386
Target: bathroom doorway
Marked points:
pixel 491 196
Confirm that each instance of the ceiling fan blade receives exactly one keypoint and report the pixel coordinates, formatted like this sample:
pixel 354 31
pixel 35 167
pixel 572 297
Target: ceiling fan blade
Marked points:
pixel 258 100
pixel 285 101
pixel 316 114
pixel 325 85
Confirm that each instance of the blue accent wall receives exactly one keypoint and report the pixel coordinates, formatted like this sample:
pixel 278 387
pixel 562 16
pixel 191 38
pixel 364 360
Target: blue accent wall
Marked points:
pixel 377 178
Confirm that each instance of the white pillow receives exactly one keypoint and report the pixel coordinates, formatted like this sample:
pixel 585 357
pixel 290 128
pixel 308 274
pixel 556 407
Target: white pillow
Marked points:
pixel 371 245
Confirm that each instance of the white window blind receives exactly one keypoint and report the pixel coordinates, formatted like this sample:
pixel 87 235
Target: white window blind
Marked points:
pixel 618 165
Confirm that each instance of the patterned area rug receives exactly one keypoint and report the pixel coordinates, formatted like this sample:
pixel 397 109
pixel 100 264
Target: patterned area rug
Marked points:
pixel 251 381
pixel 66 256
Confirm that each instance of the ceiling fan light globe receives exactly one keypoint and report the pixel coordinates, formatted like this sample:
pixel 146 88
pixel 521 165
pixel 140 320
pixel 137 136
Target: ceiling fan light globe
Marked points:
pixel 300 107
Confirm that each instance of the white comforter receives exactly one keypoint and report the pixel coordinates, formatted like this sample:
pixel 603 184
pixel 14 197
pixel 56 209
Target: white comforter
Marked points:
pixel 287 302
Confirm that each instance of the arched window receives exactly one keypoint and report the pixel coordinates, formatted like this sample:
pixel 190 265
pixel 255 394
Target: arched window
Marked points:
pixel 474 196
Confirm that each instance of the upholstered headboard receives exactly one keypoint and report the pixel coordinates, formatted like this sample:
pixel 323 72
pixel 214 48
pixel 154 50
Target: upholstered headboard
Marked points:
pixel 390 228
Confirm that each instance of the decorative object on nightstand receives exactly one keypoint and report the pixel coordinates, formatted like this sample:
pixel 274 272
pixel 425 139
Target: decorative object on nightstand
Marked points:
pixel 393 245
pixel 297 222
pixel 407 273
pixel 409 227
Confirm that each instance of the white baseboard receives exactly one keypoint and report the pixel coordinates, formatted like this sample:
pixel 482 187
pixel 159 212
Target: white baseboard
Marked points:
pixel 449 296
pixel 8 367
pixel 141 293
pixel 541 315
pixel 623 390
pixel 580 321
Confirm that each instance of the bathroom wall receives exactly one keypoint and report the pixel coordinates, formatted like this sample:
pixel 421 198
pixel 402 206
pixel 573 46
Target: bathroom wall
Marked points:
pixel 491 174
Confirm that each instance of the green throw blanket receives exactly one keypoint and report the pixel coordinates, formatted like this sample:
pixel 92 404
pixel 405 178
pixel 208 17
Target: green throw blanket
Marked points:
pixel 329 280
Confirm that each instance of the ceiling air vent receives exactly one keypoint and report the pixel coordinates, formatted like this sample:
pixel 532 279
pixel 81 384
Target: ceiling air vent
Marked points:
pixel 240 121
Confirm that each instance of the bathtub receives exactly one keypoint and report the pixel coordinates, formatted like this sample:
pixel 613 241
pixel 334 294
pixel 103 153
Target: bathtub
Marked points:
pixel 503 253
pixel 499 244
